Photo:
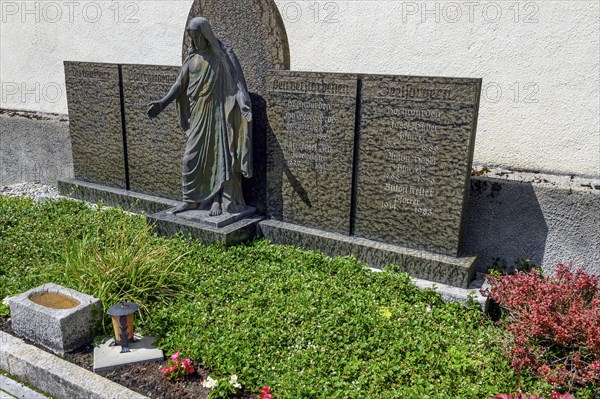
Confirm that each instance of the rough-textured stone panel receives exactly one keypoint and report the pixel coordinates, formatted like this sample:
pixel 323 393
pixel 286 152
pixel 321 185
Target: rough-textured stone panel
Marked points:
pixel 255 31
pixel 34 148
pixel 95 122
pixel 416 148
pixel 155 146
pixel 311 149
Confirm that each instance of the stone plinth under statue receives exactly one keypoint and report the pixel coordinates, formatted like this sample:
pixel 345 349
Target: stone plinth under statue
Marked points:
pixel 228 229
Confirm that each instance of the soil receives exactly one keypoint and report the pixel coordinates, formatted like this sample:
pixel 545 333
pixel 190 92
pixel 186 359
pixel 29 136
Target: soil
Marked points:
pixel 144 378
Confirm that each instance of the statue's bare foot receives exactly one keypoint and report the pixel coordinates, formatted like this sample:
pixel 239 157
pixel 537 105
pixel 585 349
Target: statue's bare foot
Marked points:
pixel 186 206
pixel 215 209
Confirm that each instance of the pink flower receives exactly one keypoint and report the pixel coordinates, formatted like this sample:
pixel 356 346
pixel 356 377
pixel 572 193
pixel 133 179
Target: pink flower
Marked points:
pixel 556 395
pixel 187 365
pixel 167 370
pixel 177 368
pixel 265 393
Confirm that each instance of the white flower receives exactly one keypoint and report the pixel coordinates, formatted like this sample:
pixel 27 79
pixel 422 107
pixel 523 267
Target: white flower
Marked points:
pixel 5 301
pixel 428 309
pixel 210 383
pixel 234 381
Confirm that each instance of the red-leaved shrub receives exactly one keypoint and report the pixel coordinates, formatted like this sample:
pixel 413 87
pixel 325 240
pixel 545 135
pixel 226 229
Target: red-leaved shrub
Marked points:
pixel 554 323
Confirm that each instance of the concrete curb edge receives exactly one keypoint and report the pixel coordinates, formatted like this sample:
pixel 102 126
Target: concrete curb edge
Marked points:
pixel 455 294
pixel 55 376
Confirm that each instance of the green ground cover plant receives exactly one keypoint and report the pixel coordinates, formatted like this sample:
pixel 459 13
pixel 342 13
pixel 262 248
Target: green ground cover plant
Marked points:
pixel 302 323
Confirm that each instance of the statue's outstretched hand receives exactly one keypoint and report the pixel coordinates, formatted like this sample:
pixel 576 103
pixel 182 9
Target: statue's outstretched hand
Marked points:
pixel 247 112
pixel 154 108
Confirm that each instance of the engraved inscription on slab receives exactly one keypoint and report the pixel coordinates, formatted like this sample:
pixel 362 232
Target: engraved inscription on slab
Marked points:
pixel 416 150
pixel 155 146
pixel 95 122
pixel 310 153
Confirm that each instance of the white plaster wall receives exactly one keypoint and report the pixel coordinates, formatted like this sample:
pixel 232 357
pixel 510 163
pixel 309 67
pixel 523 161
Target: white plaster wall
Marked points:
pixel 539 59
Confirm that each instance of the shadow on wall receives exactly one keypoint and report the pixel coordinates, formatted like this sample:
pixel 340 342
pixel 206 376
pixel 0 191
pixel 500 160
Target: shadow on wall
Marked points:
pixel 255 188
pixel 277 170
pixel 504 219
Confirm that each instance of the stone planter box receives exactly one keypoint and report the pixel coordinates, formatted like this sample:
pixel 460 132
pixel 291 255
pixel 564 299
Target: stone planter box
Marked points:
pixel 55 317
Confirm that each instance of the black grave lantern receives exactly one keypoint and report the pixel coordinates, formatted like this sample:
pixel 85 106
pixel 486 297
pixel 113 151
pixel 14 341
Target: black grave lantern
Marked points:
pixel 122 319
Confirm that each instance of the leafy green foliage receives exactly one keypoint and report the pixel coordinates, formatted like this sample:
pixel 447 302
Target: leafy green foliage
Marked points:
pixel 116 265
pixel 501 268
pixel 103 252
pixel 306 325
pixel 312 326
pixel 222 391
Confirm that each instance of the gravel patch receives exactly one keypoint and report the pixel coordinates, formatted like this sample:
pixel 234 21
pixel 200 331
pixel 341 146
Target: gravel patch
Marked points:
pixel 34 191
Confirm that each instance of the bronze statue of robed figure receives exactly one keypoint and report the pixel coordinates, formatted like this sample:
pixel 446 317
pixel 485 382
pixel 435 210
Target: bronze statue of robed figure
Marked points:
pixel 215 112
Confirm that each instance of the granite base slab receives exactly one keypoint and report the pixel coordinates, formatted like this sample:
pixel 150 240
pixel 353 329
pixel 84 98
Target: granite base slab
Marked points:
pixel 128 200
pixel 225 219
pixel 167 224
pixel 457 272
pixel 108 356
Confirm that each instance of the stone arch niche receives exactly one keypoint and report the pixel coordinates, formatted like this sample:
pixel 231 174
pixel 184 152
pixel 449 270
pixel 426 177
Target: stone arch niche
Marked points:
pixel 255 31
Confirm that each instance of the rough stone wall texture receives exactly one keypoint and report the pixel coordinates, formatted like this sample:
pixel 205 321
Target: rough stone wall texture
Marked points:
pixel 34 148
pixel 544 218
pixel 155 147
pixel 311 148
pixel 416 150
pixel 538 60
pixel 96 123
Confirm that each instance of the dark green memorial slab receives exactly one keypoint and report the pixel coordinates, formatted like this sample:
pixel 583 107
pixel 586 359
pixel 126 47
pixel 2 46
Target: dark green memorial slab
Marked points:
pixel 416 148
pixel 311 147
pixel 154 146
pixel 95 123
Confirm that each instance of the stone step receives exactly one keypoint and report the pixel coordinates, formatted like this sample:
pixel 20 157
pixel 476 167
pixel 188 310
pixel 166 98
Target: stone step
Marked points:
pixel 11 389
